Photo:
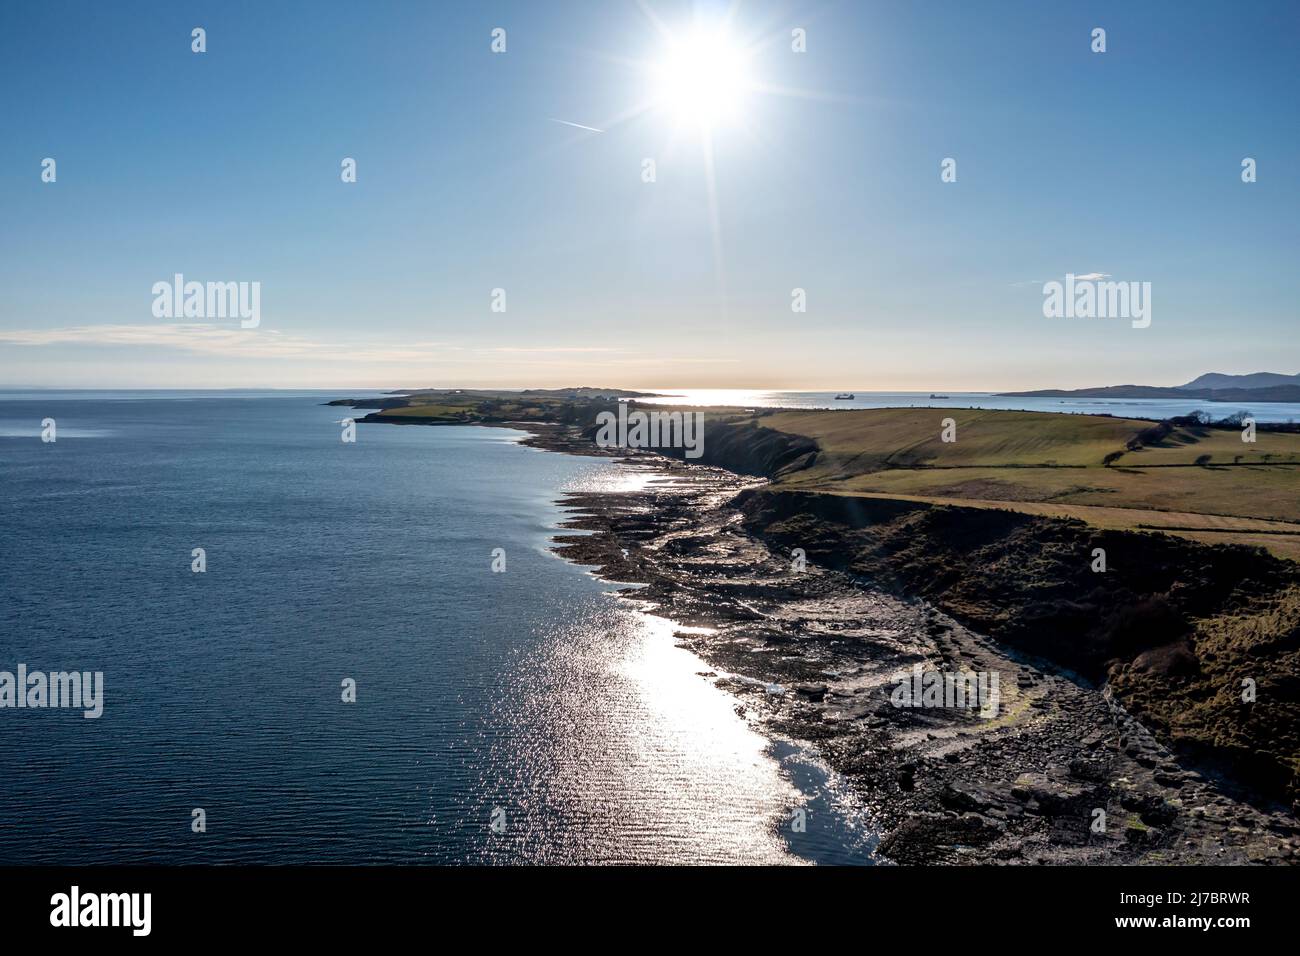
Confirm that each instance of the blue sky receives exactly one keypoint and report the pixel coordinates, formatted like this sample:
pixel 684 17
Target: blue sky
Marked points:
pixel 225 166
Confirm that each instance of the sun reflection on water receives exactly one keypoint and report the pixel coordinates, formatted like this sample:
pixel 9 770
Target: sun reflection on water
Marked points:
pixel 629 755
pixel 612 480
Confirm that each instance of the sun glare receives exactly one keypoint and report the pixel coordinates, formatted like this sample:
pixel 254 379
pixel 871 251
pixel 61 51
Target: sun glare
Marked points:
pixel 703 79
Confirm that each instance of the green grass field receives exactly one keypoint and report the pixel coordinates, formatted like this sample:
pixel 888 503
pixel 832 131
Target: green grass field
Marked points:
pixel 440 412
pixel 445 406
pixel 862 439
pixel 1048 463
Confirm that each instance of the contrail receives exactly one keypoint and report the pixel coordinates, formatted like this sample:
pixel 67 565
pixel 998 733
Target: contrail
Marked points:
pixel 578 125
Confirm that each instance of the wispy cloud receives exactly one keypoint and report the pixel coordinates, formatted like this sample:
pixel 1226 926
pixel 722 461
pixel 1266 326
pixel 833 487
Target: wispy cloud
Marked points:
pixel 1086 277
pixel 208 339
pixel 679 360
pixel 562 348
pixel 230 341
pixel 576 125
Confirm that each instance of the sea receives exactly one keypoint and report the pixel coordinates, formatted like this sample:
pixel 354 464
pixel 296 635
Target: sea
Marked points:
pixel 348 680
pixel 1146 408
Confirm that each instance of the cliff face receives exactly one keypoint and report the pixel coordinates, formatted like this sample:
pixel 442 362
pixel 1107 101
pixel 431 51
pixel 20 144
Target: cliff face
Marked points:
pixel 1176 627
pixel 749 449
pixel 745 448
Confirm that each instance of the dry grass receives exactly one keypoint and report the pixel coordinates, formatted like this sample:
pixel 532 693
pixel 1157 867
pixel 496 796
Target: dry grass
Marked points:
pixel 1044 463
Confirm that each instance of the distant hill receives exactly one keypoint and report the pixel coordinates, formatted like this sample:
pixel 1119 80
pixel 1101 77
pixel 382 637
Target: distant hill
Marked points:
pixel 586 391
pixel 1102 391
pixel 1217 380
pixel 1274 393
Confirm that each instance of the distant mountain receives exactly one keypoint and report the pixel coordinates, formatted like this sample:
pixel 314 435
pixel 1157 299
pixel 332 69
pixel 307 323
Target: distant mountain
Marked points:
pixel 1267 393
pixel 1218 380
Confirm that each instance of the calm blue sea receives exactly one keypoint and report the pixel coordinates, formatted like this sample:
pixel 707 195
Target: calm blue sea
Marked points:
pixel 533 694
pixel 1153 408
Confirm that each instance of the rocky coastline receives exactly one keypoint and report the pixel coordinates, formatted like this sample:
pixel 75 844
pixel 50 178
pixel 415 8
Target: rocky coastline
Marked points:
pixel 1075 768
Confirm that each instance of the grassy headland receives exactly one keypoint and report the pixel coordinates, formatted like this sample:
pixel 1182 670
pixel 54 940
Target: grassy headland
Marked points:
pixel 1197 481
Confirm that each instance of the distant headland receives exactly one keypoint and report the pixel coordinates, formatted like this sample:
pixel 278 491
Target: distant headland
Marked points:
pixel 1212 387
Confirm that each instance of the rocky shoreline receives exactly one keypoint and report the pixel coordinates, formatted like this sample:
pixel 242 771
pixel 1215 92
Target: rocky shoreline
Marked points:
pixel 1064 774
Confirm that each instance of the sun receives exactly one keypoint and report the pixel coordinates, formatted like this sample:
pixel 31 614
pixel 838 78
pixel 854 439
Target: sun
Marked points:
pixel 703 79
